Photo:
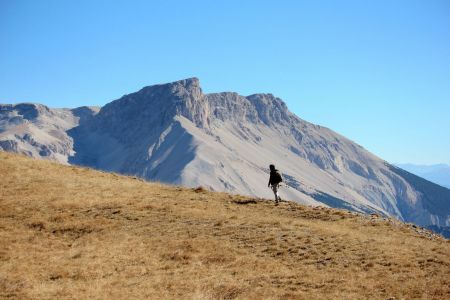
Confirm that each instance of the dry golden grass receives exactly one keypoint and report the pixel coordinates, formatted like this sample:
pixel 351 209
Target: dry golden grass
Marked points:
pixel 70 232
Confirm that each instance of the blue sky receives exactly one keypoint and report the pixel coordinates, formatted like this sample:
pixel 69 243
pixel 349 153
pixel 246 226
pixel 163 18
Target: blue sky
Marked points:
pixel 377 72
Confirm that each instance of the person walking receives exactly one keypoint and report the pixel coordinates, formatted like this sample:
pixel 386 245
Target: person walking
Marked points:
pixel 274 182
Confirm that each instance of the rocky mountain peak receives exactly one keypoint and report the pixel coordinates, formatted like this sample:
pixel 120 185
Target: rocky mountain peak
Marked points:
pixel 257 108
pixel 154 107
pixel 270 109
pixel 27 111
pixel 192 82
pixel 158 104
pixel 177 88
pixel 85 113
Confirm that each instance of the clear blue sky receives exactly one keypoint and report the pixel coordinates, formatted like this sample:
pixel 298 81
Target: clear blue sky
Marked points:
pixel 377 72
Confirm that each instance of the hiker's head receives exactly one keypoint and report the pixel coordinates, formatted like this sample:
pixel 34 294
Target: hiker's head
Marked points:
pixel 272 167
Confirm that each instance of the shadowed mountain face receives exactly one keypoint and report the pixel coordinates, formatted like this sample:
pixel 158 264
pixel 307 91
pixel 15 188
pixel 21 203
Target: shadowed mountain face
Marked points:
pixel 174 133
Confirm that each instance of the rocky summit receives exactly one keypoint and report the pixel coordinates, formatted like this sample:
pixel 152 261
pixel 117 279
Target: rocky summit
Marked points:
pixel 174 133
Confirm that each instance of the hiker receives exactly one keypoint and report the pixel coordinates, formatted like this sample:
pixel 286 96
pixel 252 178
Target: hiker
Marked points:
pixel 274 182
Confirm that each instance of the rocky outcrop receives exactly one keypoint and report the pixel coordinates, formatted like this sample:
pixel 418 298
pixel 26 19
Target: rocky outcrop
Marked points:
pixel 39 131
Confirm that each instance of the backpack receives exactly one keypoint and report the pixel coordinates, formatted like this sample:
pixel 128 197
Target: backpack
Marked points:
pixel 277 177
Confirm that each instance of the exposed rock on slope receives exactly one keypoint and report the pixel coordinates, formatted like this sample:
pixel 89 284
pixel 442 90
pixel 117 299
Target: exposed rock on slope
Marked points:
pixel 174 133
pixel 38 131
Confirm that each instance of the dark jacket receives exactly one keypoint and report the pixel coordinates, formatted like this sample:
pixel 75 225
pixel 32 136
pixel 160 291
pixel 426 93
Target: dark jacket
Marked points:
pixel 275 177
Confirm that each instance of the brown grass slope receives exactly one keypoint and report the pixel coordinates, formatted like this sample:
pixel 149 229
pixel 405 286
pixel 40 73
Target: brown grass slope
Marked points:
pixel 71 232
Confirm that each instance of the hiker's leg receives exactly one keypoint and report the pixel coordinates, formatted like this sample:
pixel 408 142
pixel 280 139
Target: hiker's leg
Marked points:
pixel 278 193
pixel 275 191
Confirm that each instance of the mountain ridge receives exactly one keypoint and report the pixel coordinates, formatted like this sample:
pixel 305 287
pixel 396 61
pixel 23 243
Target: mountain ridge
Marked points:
pixel 224 141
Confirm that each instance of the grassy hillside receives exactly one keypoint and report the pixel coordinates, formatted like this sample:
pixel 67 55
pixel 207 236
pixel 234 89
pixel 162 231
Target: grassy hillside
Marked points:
pixel 70 232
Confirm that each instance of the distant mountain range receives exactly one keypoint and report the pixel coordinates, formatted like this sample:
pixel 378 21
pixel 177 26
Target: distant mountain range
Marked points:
pixel 175 133
pixel 439 173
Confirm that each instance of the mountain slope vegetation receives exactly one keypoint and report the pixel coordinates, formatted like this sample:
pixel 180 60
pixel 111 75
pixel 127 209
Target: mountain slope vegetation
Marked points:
pixel 72 232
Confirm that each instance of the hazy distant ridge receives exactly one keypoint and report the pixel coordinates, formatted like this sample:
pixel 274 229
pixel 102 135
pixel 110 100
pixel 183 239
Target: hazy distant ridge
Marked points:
pixel 439 173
